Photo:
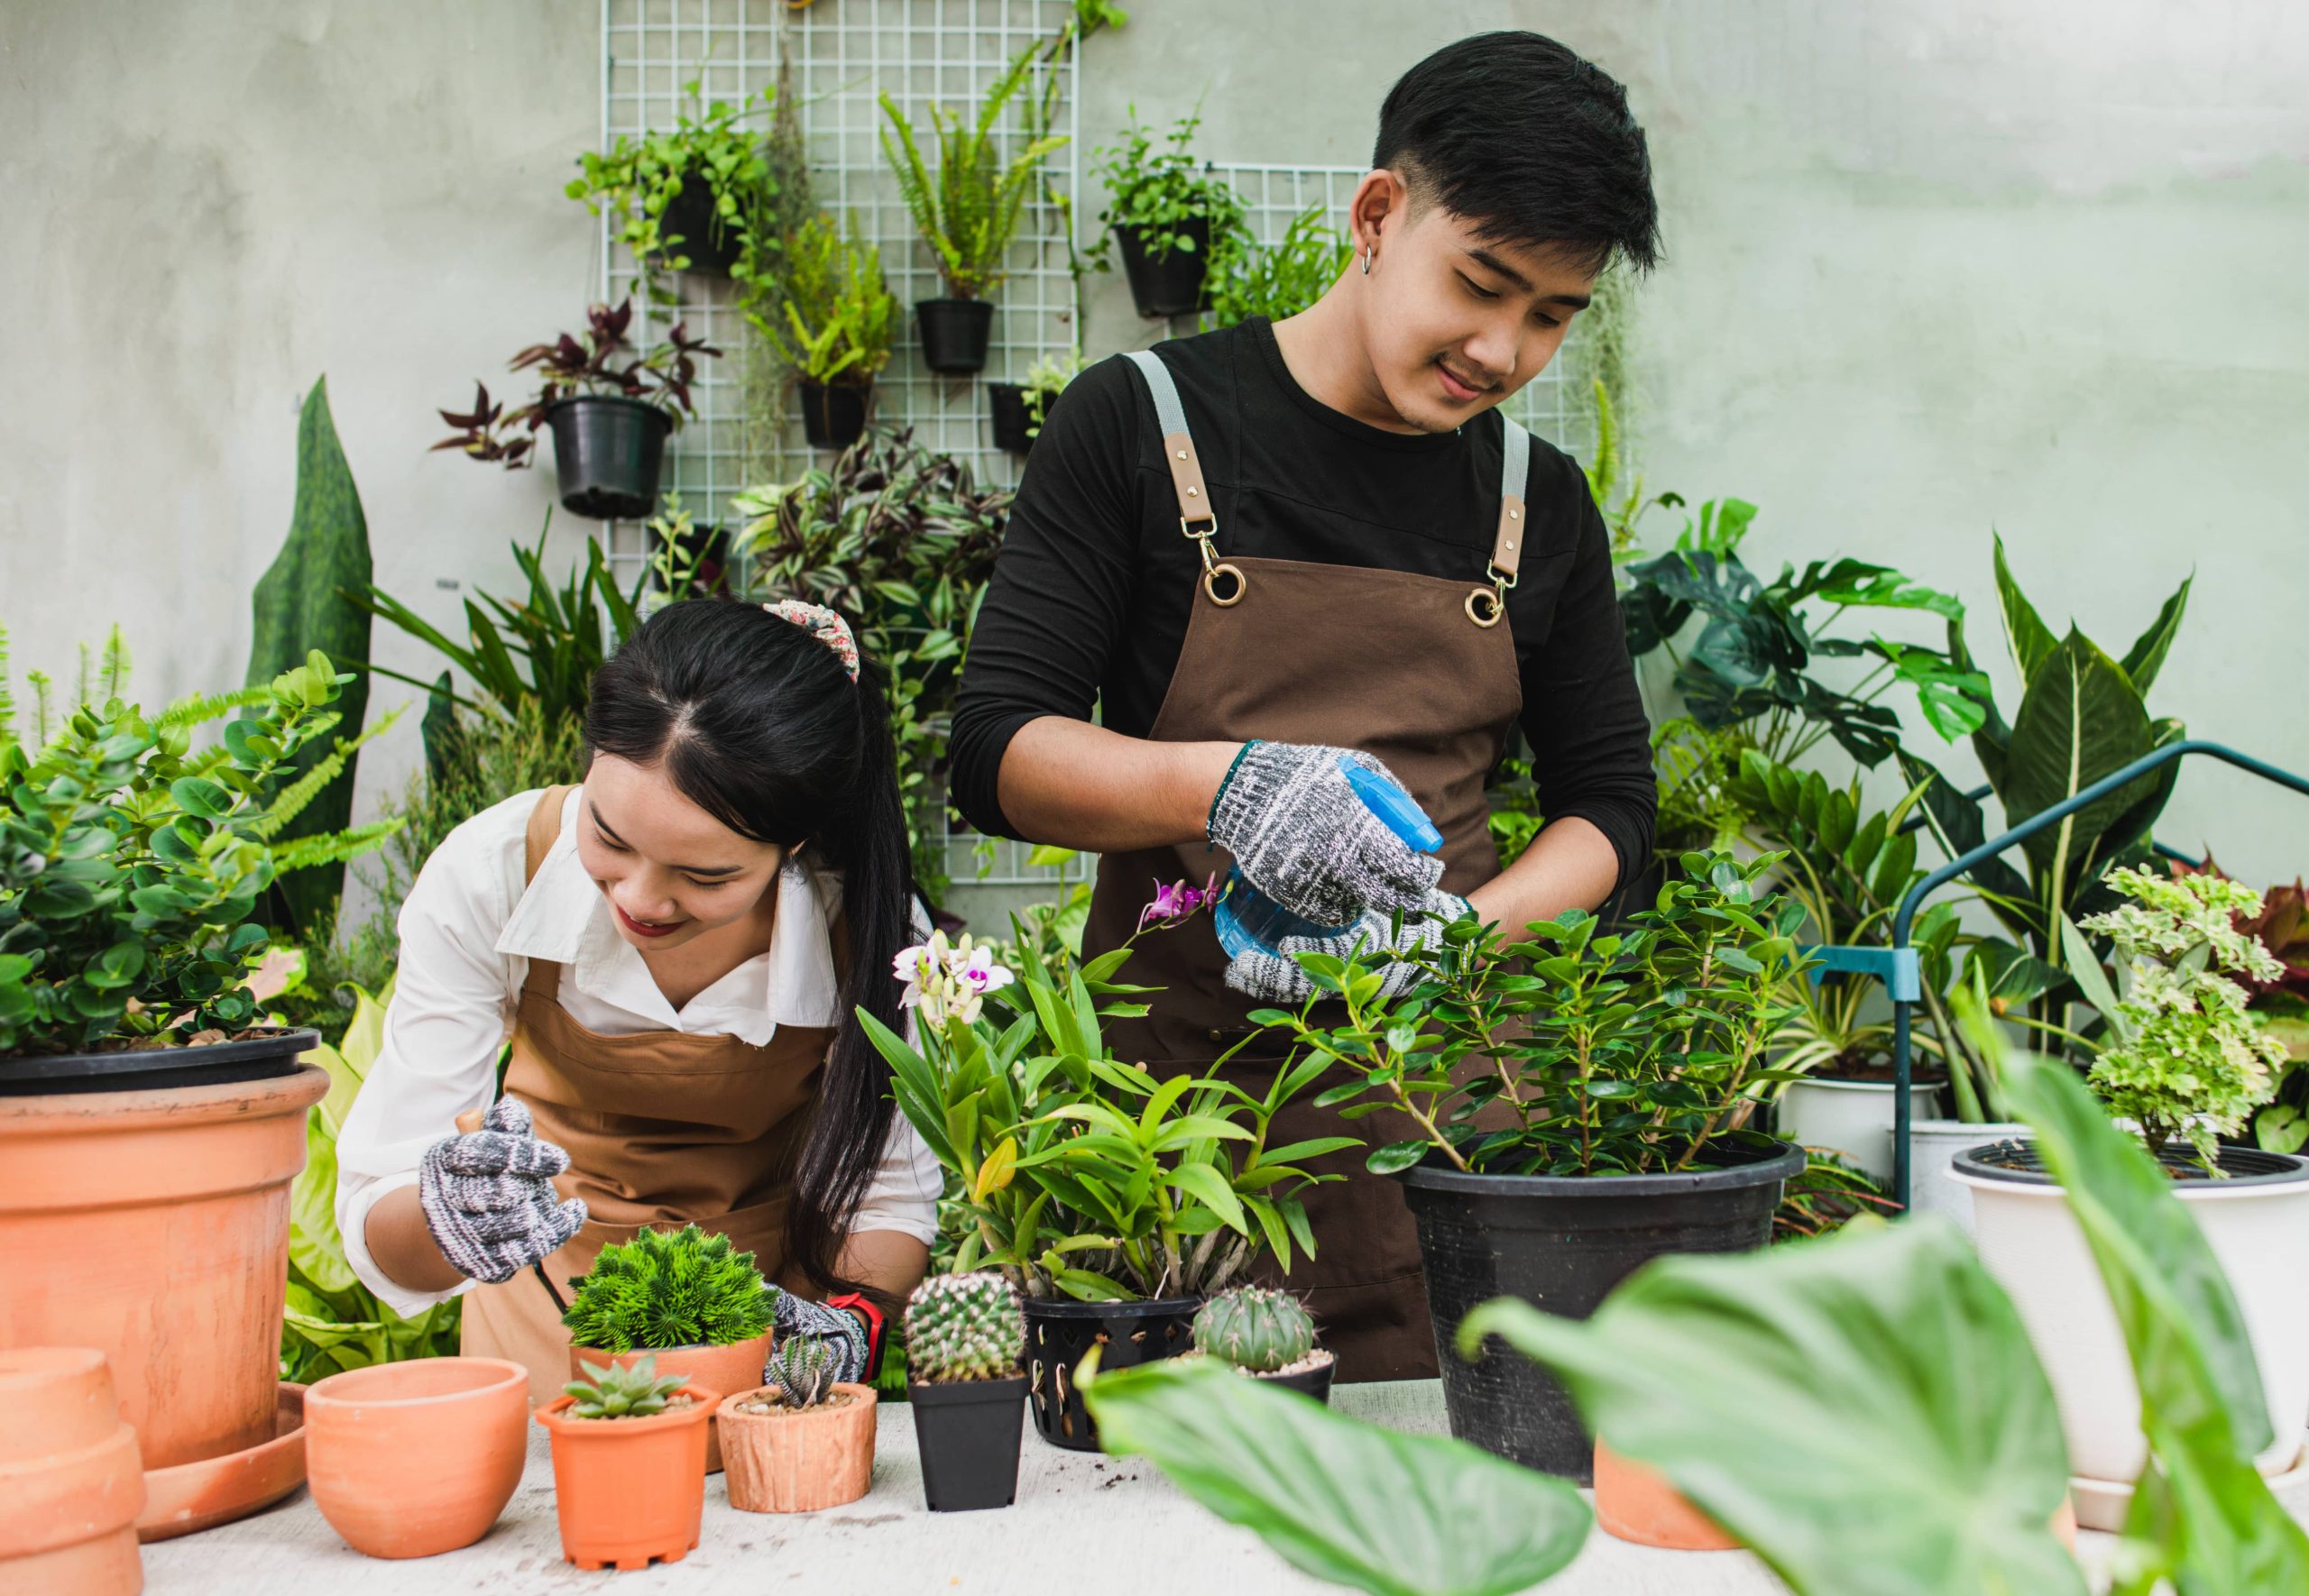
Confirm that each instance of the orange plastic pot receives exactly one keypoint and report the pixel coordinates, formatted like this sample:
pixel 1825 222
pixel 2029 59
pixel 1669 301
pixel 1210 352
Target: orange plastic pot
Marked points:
pixel 70 1481
pixel 799 1462
pixel 1636 1503
pixel 736 1367
pixel 407 1460
pixel 154 1227
pixel 630 1491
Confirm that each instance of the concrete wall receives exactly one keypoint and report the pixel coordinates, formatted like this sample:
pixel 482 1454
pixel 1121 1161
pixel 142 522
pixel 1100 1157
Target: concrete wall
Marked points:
pixel 1936 266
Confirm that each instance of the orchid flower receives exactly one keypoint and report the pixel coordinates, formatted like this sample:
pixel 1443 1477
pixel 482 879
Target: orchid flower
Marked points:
pixel 1176 904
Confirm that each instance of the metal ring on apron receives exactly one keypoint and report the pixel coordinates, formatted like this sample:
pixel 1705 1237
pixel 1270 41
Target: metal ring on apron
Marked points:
pixel 1486 595
pixel 1210 584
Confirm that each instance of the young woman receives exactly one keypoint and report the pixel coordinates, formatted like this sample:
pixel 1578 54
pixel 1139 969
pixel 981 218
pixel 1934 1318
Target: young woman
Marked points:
pixel 676 950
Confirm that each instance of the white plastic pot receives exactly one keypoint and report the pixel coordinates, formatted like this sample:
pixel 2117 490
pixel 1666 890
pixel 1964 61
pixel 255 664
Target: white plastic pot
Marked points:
pixel 1852 1118
pixel 1933 1145
pixel 2258 1226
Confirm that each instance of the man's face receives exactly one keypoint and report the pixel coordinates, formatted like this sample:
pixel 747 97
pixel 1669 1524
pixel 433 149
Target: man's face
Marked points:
pixel 1455 323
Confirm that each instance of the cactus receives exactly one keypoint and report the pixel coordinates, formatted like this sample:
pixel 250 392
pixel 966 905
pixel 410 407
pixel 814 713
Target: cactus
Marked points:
pixel 801 1371
pixel 634 1392
pixel 1254 1329
pixel 668 1288
pixel 964 1327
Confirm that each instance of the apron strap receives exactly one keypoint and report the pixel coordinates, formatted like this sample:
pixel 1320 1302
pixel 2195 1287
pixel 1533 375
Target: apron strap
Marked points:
pixel 1486 605
pixel 1197 520
pixel 545 829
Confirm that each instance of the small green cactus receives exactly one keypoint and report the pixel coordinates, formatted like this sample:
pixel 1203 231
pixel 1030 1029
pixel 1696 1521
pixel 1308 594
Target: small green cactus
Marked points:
pixel 634 1392
pixel 668 1288
pixel 1254 1329
pixel 801 1371
pixel 964 1327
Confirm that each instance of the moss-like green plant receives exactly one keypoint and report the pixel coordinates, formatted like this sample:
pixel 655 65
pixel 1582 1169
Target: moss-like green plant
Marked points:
pixel 964 1327
pixel 634 1392
pixel 663 1290
pixel 1255 1328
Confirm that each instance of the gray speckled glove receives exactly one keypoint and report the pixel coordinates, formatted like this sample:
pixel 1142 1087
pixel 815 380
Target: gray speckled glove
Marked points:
pixel 836 1329
pixel 488 1197
pixel 1302 836
pixel 1278 978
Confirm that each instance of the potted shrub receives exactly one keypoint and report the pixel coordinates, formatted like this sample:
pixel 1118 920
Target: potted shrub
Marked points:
pixel 684 1299
pixel 696 199
pixel 1019 407
pixel 967 213
pixel 610 420
pixel 1166 215
pixel 1115 1201
pixel 1267 1334
pixel 836 327
pixel 2182 1060
pixel 416 1458
pixel 964 1337
pixel 1581 1103
pixel 802 1442
pixel 629 1464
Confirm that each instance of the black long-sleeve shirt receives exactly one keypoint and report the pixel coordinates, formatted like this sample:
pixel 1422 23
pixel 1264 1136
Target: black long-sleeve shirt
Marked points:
pixel 1092 591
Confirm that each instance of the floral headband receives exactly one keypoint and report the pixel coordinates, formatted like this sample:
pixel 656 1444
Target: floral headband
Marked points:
pixel 823 624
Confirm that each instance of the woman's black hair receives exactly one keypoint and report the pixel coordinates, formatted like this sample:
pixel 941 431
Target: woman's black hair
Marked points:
pixel 758 723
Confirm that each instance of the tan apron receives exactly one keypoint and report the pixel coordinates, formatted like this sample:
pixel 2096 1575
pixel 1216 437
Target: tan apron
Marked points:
pixel 1414 670
pixel 661 1128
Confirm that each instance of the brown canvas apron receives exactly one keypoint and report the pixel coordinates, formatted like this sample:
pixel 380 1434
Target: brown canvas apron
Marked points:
pixel 661 1128
pixel 1413 669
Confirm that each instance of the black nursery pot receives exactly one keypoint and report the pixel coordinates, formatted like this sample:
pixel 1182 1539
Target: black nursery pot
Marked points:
pixel 1562 1242
pixel 1314 1382
pixel 1011 419
pixel 711 248
pixel 149 1069
pixel 1173 285
pixel 833 414
pixel 968 1435
pixel 607 450
pixel 1060 1333
pixel 954 333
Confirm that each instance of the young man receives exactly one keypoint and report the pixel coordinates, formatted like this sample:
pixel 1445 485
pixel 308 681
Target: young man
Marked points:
pixel 1276 543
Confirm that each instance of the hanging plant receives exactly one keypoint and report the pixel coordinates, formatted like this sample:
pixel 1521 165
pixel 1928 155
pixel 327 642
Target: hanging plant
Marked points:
pixel 696 197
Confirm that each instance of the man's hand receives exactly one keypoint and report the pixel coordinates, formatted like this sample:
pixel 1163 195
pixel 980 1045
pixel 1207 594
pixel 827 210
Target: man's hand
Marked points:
pixel 1369 941
pixel 1302 836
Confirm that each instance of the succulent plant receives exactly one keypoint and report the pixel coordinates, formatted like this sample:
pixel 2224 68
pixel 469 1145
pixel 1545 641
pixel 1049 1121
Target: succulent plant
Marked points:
pixel 1255 1328
pixel 668 1288
pixel 801 1371
pixel 634 1392
pixel 965 1326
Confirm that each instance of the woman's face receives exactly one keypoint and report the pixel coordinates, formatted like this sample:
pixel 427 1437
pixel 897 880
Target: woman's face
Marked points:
pixel 671 872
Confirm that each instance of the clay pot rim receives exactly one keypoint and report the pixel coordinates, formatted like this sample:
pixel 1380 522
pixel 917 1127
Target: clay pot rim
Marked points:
pixel 51 1363
pixel 726 1410
pixel 62 1112
pixel 320 1395
pixel 555 1416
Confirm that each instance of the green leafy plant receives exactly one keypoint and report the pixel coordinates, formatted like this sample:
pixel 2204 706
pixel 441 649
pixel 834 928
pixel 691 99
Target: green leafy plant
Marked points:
pixel 635 180
pixel 634 1391
pixel 667 1288
pixel 968 211
pixel 1045 380
pixel 1594 1054
pixel 1250 278
pixel 1159 192
pixel 1824 1195
pixel 838 318
pixel 2281 1005
pixel 964 1327
pixel 604 362
pixel 801 1371
pixel 1255 1328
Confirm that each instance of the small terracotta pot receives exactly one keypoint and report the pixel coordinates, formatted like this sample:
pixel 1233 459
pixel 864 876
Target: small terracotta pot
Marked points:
pixel 411 1459
pixel 799 1462
pixel 629 1492
pixel 736 1367
pixel 71 1483
pixel 1636 1503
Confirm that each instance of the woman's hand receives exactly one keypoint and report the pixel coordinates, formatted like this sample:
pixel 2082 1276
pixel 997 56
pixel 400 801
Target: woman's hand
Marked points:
pixel 488 1197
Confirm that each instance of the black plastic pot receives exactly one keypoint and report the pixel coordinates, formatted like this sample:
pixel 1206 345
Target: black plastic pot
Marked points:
pixel 1314 1382
pixel 1562 1242
pixel 954 333
pixel 833 414
pixel 1060 1333
pixel 1173 284
pixel 607 450
pixel 712 250
pixel 968 1435
pixel 1011 417
pixel 145 1070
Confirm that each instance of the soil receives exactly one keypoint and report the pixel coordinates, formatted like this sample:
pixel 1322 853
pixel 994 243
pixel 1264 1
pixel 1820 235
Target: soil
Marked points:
pixel 680 1400
pixel 168 1040
pixel 771 1404
pixel 2024 1161
pixel 1307 1365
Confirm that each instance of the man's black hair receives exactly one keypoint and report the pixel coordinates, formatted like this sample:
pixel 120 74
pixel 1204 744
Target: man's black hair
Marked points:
pixel 1517 135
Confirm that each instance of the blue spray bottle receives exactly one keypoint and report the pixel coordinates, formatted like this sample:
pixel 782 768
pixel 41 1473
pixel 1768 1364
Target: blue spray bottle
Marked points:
pixel 1247 920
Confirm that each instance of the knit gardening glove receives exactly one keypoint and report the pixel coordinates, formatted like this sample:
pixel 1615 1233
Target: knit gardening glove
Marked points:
pixel 842 1332
pixel 1301 835
pixel 488 1197
pixel 1277 978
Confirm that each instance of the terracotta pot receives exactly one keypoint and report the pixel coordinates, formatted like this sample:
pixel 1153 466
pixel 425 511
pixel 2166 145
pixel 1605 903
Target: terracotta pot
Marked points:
pixel 630 1491
pixel 798 1463
pixel 70 1481
pixel 1636 1503
pixel 196 1496
pixel 154 1227
pixel 409 1459
pixel 736 1367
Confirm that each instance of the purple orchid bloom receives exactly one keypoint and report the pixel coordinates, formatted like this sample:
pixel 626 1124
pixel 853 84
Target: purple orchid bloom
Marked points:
pixel 1176 904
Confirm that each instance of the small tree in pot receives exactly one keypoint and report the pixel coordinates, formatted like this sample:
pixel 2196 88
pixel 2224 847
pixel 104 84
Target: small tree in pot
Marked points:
pixel 628 1451
pixel 1166 215
pixel 834 325
pixel 964 1337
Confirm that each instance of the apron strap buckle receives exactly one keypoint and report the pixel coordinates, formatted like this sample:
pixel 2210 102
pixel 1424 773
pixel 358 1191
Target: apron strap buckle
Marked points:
pixel 1486 605
pixel 1214 569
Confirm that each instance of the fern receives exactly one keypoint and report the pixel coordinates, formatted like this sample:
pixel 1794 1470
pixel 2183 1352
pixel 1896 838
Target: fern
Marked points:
pixel 969 212
pixel 117 665
pixel 333 847
pixel 210 706
pixel 7 698
pixel 301 791
pixel 41 733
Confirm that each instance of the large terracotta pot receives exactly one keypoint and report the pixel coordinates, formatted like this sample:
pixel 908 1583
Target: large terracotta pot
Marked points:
pixel 799 1462
pixel 411 1459
pixel 737 1367
pixel 1634 1502
pixel 70 1483
pixel 154 1227
pixel 629 1492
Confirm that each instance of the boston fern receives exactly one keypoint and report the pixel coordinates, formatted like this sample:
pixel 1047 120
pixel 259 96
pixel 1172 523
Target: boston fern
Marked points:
pixel 1250 278
pixel 837 319
pixel 666 1289
pixel 968 210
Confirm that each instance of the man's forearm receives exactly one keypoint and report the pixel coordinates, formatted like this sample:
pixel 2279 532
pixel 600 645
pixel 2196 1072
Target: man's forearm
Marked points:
pixel 1073 784
pixel 1570 865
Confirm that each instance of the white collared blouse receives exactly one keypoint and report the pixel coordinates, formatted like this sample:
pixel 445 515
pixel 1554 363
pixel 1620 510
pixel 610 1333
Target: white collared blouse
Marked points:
pixel 468 930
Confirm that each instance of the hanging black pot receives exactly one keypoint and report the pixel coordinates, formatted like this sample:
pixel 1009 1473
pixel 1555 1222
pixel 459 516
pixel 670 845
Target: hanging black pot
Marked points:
pixel 833 414
pixel 713 247
pixel 607 450
pixel 954 333
pixel 967 1432
pixel 1173 284
pixel 1012 420
pixel 1060 1333
pixel 1563 1242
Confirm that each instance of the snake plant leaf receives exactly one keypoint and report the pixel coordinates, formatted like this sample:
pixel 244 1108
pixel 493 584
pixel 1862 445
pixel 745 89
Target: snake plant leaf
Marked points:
pixel 2031 638
pixel 2147 656
pixel 2081 720
pixel 1889 1432
pixel 1345 1501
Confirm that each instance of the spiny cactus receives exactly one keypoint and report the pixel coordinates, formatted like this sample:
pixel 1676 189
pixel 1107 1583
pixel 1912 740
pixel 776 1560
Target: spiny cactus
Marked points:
pixel 964 1327
pixel 1255 1328
pixel 801 1371
pixel 634 1392
pixel 668 1288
